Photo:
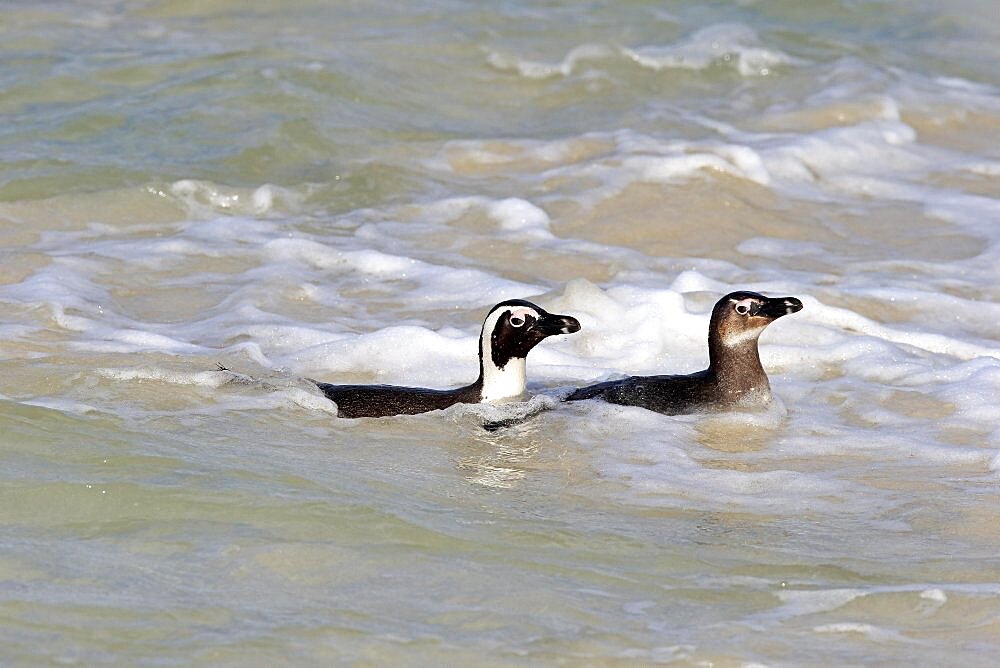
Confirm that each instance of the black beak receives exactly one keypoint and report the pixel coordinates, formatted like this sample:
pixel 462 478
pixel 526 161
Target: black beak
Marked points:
pixel 775 307
pixel 550 323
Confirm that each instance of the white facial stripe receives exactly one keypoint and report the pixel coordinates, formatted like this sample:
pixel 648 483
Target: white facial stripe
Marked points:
pixel 488 327
pixel 494 318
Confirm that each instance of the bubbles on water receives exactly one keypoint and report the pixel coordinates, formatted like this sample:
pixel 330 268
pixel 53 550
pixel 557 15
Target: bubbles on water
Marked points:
pixel 204 198
pixel 532 69
pixel 728 42
pixel 496 416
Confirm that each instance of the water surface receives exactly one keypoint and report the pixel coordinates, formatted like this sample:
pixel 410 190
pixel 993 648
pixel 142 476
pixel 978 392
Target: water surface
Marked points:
pixel 343 190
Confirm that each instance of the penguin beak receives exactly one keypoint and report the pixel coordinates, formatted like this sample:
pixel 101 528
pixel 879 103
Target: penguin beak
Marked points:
pixel 775 307
pixel 550 323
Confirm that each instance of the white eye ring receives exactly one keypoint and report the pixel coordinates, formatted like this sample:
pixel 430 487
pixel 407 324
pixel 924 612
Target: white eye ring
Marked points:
pixel 742 309
pixel 516 321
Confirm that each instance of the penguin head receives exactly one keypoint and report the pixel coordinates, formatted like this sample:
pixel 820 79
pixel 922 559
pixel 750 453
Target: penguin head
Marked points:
pixel 512 328
pixel 740 317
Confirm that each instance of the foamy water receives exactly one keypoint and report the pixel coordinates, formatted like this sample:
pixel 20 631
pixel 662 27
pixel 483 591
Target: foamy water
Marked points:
pixel 343 192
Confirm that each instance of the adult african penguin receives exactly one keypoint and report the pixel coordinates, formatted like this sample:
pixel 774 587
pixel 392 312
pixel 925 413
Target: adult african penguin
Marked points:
pixel 511 329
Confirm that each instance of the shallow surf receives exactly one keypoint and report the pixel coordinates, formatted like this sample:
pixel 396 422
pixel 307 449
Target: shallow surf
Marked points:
pixel 343 191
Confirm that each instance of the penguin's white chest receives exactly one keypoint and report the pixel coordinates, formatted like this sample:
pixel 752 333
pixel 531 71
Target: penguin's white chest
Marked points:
pixel 504 384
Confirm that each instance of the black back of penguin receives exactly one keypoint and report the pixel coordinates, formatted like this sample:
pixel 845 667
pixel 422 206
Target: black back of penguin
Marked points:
pixel 357 401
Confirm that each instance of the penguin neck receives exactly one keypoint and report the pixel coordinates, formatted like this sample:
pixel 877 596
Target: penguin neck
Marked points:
pixel 736 368
pixel 500 383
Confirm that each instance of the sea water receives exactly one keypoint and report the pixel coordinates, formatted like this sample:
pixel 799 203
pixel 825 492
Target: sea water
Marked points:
pixel 341 191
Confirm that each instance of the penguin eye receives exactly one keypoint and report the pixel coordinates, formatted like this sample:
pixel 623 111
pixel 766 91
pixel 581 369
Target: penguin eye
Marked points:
pixel 516 321
pixel 742 309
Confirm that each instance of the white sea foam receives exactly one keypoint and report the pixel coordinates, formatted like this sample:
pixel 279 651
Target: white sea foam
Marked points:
pixel 805 602
pixel 212 379
pixel 721 43
pixel 729 44
pixel 392 354
pixel 625 166
pixel 877 634
pixel 64 406
pixel 205 198
pixel 363 297
pixel 508 414
pixel 518 215
pixel 642 325
pixel 533 69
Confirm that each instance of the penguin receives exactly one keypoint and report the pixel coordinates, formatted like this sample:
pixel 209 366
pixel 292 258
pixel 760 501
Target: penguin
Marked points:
pixel 511 329
pixel 734 377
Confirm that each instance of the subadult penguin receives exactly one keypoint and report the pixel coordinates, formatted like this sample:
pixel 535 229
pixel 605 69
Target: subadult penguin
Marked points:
pixel 511 329
pixel 734 377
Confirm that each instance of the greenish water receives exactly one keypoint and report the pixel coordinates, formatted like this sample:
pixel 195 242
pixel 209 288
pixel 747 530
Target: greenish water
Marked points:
pixel 342 190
